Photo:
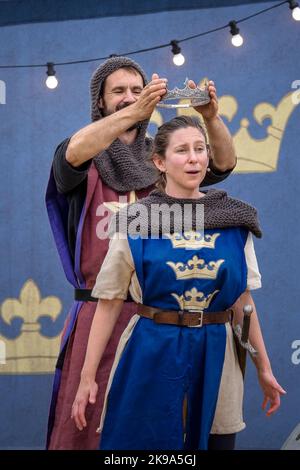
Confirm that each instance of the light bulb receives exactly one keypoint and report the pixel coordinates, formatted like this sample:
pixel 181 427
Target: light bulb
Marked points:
pixel 237 40
pixel 296 13
pixel 178 59
pixel 52 82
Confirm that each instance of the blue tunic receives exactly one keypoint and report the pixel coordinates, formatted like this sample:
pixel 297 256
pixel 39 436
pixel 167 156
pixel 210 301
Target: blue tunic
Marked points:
pixel 164 365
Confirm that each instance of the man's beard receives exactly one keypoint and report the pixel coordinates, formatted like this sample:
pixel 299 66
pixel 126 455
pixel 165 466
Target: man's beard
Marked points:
pixel 106 113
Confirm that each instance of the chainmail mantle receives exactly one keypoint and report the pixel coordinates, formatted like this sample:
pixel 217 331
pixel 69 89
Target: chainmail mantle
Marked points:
pixel 220 211
pixel 122 167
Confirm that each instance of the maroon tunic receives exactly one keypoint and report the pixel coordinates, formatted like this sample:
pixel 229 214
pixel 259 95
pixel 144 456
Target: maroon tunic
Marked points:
pixel 90 251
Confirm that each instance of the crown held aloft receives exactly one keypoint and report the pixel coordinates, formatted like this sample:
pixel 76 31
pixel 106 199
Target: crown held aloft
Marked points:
pixel 197 96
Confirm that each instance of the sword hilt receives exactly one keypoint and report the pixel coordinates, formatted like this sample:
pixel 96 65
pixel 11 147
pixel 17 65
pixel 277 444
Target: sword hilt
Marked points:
pixel 247 309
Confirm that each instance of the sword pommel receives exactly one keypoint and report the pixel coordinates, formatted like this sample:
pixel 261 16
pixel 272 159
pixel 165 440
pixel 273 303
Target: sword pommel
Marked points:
pixel 247 309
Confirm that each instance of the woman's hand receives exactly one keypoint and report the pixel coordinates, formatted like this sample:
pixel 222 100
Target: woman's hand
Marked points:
pixel 86 393
pixel 271 390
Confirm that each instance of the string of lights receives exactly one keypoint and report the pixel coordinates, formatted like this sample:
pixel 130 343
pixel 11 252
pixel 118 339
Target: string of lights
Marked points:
pixel 237 40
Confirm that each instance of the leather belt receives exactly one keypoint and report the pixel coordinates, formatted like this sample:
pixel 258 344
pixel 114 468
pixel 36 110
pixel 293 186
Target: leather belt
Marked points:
pixel 84 295
pixel 184 317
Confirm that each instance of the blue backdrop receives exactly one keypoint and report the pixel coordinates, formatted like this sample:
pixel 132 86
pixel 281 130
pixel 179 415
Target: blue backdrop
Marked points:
pixel 258 103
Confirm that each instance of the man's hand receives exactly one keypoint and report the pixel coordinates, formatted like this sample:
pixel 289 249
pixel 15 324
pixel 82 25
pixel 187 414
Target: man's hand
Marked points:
pixel 210 110
pixel 87 392
pixel 220 140
pixel 150 96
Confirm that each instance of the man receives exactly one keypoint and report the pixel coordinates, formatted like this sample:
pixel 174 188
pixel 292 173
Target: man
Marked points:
pixel 102 161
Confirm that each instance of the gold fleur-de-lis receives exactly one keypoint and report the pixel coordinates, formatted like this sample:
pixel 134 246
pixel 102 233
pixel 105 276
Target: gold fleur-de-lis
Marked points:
pixel 30 307
pixel 31 352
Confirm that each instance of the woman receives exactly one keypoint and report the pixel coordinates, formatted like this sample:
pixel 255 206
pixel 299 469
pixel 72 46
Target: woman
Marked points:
pixel 176 382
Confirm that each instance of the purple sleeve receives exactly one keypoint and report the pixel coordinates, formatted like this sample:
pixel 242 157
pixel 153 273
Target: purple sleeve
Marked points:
pixel 66 176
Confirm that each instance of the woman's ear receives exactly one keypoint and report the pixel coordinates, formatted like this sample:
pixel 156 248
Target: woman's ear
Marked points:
pixel 209 156
pixel 209 152
pixel 159 162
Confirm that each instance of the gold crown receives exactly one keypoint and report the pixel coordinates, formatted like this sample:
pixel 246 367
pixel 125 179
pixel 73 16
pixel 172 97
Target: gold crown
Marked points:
pixel 193 240
pixel 193 300
pixel 196 268
pixel 254 155
pixel 30 352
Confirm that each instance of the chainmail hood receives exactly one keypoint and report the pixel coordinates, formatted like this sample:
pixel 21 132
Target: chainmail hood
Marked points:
pixel 100 75
pixel 122 167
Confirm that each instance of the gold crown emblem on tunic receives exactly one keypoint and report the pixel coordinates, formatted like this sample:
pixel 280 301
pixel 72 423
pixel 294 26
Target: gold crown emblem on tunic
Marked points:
pixel 193 240
pixel 194 300
pixel 196 268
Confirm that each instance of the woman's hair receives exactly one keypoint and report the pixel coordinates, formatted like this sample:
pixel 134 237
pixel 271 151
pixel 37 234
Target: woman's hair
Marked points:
pixel 162 138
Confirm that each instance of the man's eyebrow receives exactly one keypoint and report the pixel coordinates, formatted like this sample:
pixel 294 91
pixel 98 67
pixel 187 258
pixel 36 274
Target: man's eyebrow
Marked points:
pixel 123 87
pixel 118 87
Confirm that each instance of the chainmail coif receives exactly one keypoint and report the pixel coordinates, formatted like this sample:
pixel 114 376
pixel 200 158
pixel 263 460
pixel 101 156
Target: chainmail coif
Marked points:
pixel 122 167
